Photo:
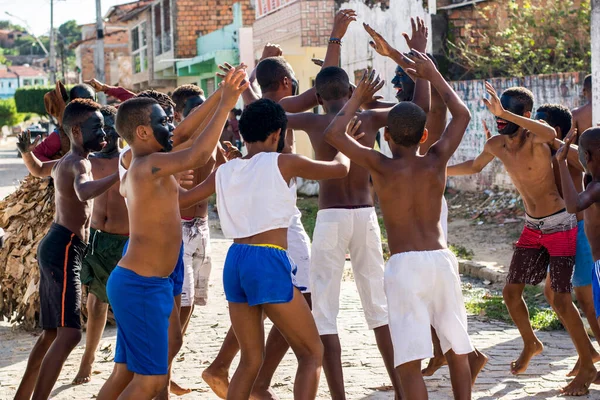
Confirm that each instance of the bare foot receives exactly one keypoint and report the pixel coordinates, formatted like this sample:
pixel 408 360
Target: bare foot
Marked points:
pixel 477 361
pixel 218 380
pixel 580 385
pixel 575 370
pixel 84 375
pixel 530 350
pixel 434 364
pixel 260 394
pixel 178 390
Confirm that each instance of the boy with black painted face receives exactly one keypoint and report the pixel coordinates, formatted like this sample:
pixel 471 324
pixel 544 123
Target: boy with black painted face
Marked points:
pixel 61 252
pixel 139 289
pixel 109 231
pixel 550 232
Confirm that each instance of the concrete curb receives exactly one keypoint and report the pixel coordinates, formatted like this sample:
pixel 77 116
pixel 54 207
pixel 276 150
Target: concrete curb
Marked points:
pixel 480 271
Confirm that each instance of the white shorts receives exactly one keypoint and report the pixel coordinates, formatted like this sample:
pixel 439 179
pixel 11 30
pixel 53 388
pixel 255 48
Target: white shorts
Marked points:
pixel 337 230
pixel 299 250
pixel 423 290
pixel 196 260
pixel 444 218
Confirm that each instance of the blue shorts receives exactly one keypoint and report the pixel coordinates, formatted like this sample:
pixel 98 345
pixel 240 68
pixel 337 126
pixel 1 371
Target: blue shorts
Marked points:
pixel 142 307
pixel 176 276
pixel 258 274
pixel 596 287
pixel 584 262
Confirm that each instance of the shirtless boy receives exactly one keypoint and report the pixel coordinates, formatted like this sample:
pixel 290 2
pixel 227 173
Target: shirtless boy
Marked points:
pixel 61 252
pixel 582 116
pixel 421 278
pixel 139 289
pixel 108 233
pixel 550 232
pixel 258 197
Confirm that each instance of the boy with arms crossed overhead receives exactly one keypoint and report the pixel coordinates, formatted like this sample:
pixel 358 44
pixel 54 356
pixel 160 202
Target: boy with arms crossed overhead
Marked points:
pixel 421 278
pixel 139 289
pixel 61 252
pixel 550 233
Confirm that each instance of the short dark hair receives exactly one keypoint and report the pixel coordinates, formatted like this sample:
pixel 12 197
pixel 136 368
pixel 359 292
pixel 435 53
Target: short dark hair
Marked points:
pixel 406 123
pixel 260 119
pixel 557 115
pixel 108 110
pixel 590 140
pixel 82 91
pixel 184 92
pixel 523 95
pixel 133 113
pixel 161 98
pixel 76 112
pixel 587 83
pixel 332 83
pixel 270 72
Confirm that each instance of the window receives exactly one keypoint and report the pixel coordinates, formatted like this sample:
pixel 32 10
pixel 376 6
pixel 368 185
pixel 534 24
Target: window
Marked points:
pixel 27 82
pixel 9 85
pixel 210 86
pixel 162 26
pixel 139 48
pixel 39 82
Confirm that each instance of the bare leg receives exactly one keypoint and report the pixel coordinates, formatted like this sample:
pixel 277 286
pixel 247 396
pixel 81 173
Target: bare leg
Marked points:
pixel 217 374
pixel 184 317
pixel 116 383
pixel 332 365
pixel 247 322
pixel 295 321
pixel 144 387
pixel 275 350
pixel 477 361
pixel 438 359
pixel 513 297
pixel 175 343
pixel 33 364
pixel 460 374
pixel 412 380
pixel 65 342
pixel 97 312
pixel 386 348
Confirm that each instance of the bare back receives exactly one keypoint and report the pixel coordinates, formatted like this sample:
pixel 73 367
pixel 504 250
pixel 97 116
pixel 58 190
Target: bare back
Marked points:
pixel 592 228
pixel 71 213
pixel 109 213
pixel 410 195
pixel 529 165
pixel 582 118
pixel 355 188
pixel 155 227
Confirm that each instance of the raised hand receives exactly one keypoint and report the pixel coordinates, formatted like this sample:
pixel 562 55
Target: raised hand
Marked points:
pixel 561 154
pixel 24 144
pixel 96 85
pixel 230 151
pixel 420 66
pixel 368 86
pixel 486 130
pixel 493 103
pixel 353 127
pixel 378 43
pixel 232 86
pixel 271 50
pixel 226 67
pixel 318 61
pixel 340 24
pixel 419 35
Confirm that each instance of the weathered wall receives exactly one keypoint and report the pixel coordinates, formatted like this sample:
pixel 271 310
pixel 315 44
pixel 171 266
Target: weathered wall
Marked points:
pixel 356 52
pixel 565 89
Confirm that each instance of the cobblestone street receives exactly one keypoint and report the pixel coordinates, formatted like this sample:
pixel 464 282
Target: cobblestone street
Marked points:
pixel 363 368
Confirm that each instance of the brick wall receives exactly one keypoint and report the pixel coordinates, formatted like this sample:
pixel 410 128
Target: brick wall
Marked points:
pixel 317 21
pixel 116 45
pixel 194 18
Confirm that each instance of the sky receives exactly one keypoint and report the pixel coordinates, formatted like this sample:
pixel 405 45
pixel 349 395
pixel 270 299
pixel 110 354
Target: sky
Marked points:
pixel 37 12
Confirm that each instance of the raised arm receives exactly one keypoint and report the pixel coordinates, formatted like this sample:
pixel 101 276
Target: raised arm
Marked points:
pixel 85 188
pixel 336 134
pixel 190 126
pixel 118 93
pixel 295 165
pixel 475 166
pixel 48 148
pixel 573 150
pixel 34 166
pixel 165 164
pixel 200 192
pixel 543 132
pixel 574 201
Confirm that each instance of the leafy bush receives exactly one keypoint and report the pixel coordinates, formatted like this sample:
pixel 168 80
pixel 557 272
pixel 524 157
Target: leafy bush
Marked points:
pixel 8 113
pixel 30 99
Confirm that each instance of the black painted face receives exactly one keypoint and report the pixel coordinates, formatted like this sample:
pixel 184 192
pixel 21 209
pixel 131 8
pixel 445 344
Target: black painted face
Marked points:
pixel 514 106
pixel 404 85
pixel 112 137
pixel 92 132
pixel 192 103
pixel 82 92
pixel 162 127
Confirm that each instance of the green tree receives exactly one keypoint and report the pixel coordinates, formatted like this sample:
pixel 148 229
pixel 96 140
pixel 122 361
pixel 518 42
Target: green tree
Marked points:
pixel 541 38
pixel 5 24
pixel 30 99
pixel 8 113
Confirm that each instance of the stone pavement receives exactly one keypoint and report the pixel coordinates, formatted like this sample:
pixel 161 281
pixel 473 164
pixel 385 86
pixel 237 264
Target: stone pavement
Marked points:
pixel 363 368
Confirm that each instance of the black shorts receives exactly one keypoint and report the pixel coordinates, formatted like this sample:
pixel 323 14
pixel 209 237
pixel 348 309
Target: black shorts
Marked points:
pixel 60 255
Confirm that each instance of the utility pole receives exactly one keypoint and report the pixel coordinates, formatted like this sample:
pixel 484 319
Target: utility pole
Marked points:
pixel 595 36
pixel 99 53
pixel 52 56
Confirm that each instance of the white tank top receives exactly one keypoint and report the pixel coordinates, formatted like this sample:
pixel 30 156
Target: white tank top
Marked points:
pixel 253 197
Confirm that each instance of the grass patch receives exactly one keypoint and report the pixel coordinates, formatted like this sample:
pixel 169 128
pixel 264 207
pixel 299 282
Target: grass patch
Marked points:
pixel 491 305
pixel 309 207
pixel 461 251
